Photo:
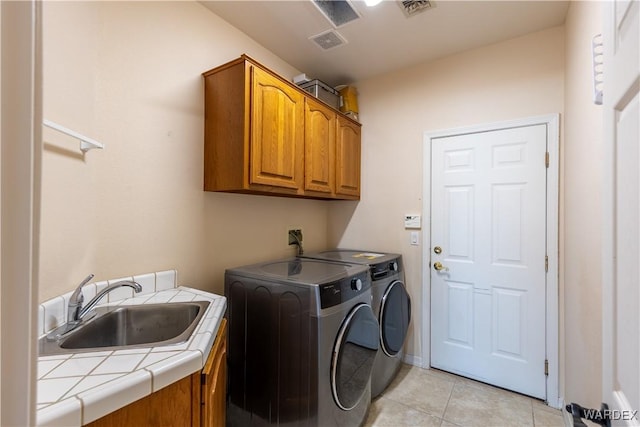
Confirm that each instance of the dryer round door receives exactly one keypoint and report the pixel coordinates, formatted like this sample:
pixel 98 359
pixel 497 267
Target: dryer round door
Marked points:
pixel 353 355
pixel 395 314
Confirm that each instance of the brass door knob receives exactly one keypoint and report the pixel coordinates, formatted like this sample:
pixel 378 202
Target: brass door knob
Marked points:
pixel 438 266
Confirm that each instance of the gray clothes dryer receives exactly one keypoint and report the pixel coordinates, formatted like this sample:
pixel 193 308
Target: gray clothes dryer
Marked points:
pixel 391 305
pixel 302 343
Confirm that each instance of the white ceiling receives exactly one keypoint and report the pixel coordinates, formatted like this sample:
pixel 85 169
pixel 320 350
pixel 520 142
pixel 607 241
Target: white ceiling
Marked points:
pixel 383 39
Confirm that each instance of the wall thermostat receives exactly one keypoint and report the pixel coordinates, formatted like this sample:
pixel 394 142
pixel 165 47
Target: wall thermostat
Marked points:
pixel 412 221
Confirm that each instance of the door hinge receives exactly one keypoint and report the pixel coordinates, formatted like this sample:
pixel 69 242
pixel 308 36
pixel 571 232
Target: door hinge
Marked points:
pixel 546 367
pixel 546 263
pixel 546 159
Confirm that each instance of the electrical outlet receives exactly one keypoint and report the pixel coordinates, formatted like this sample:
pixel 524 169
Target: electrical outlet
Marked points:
pixel 295 236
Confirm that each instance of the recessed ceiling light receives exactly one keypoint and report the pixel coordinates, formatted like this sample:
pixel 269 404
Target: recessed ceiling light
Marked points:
pixel 371 3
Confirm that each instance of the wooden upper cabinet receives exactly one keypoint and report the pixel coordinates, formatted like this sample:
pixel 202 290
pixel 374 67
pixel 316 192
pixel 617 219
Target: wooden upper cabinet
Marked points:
pixel 320 146
pixel 264 135
pixel 348 158
pixel 277 132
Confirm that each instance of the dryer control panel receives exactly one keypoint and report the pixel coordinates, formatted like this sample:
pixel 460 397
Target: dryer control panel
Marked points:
pixel 332 294
pixel 386 269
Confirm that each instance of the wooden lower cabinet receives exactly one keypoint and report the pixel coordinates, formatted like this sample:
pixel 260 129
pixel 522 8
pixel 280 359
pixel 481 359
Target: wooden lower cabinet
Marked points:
pixel 198 400
pixel 170 406
pixel 213 399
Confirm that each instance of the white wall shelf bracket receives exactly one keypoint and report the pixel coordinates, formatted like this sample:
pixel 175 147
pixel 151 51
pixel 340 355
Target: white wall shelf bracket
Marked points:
pixel 86 143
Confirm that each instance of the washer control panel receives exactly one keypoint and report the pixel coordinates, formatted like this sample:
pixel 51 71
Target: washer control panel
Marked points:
pixel 335 293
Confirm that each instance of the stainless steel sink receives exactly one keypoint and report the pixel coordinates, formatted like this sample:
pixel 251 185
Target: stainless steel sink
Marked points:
pixel 113 328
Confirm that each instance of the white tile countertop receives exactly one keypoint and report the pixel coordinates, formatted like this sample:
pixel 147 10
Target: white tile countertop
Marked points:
pixel 77 388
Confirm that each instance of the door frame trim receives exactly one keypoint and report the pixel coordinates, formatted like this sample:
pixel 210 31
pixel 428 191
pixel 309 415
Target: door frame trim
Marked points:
pixel 552 122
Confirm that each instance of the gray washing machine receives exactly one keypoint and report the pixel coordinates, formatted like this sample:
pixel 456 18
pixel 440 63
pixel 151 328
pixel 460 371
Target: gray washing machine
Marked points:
pixel 302 343
pixel 391 305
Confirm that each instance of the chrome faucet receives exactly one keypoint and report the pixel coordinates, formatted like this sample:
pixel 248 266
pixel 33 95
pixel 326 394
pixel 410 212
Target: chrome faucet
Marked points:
pixel 76 312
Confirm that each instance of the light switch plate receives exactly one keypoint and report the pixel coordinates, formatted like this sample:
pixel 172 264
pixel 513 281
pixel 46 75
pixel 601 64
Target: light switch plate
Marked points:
pixel 412 221
pixel 415 238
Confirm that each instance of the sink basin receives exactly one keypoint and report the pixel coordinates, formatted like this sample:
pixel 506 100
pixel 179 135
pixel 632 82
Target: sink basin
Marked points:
pixel 146 325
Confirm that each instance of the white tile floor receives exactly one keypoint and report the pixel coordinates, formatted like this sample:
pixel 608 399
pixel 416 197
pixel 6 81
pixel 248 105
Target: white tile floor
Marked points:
pixel 426 397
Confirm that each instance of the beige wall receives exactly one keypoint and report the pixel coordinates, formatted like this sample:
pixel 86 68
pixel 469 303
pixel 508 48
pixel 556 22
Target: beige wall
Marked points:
pixel 582 154
pixel 514 79
pixel 129 75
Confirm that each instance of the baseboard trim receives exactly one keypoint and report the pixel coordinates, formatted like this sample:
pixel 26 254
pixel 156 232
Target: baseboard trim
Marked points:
pixel 413 360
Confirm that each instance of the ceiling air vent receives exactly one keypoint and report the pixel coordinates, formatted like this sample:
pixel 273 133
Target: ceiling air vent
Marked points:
pixel 413 7
pixel 328 40
pixel 338 12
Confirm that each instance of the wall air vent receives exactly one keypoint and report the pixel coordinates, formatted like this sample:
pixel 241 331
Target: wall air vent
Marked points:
pixel 328 39
pixel 413 7
pixel 338 12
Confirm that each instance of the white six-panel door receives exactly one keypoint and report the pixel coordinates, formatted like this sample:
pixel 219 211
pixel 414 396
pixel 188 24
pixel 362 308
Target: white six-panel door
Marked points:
pixel 488 249
pixel 621 228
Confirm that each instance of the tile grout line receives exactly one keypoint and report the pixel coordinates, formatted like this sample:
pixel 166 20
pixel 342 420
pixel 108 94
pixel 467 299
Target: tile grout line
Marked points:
pixel 83 377
pixel 455 381
pixel 412 407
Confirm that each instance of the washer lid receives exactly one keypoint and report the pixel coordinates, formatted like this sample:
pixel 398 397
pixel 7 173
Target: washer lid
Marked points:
pixel 354 256
pixel 300 270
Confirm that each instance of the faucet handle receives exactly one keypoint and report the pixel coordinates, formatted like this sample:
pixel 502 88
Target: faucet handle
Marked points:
pixel 77 294
pixel 86 280
pixel 76 300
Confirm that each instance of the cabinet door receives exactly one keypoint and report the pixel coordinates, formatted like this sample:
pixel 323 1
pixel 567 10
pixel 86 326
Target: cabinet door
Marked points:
pixel 319 147
pixel 277 131
pixel 169 406
pixel 214 382
pixel 348 158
